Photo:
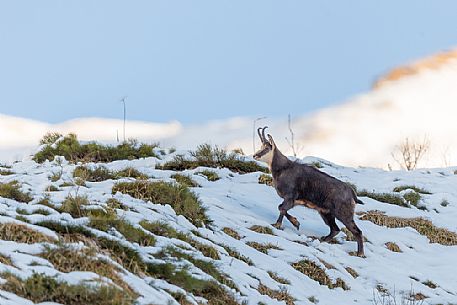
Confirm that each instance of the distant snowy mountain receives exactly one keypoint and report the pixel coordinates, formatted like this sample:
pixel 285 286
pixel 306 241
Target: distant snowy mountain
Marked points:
pixel 417 102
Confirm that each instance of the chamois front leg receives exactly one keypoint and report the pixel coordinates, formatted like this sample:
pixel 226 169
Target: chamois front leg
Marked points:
pixel 286 205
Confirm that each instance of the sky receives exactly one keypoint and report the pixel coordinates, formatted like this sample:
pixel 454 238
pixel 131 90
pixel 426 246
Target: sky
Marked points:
pixel 196 61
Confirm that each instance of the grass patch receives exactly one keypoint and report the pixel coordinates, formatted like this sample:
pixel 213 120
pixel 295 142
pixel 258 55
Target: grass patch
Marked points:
pixel 421 225
pixel 235 254
pixel 280 295
pixel 162 229
pixel 51 188
pixel 262 247
pixel 22 234
pixel 42 288
pixel 12 190
pixel 50 138
pixel 412 198
pixel 393 247
pixel 67 259
pixel 430 284
pixel 411 187
pixel 181 199
pixel 101 173
pixel 444 203
pixel 74 205
pixel 261 229
pixel 265 179
pixel 6 260
pixel 231 232
pixel 56 176
pixel 185 180
pixel 73 151
pixel 104 221
pixel 278 279
pixel 384 197
pixel 208 156
pixel 210 175
pixel 316 273
pixel 5 172
pixel 113 204
pixel 352 272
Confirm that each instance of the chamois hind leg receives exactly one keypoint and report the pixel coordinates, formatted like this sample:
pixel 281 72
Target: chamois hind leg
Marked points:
pixel 354 229
pixel 329 220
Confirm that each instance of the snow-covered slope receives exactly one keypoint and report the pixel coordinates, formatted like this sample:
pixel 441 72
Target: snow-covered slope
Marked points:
pixel 238 202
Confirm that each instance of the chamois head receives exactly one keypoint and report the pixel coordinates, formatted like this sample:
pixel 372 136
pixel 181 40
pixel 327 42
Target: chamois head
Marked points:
pixel 265 153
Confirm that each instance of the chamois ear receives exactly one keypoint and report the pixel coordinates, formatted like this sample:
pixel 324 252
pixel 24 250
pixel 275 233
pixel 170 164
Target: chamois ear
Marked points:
pixel 270 138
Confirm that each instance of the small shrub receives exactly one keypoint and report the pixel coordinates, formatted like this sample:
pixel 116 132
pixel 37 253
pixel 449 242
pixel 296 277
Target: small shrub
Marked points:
pixel 421 225
pixel 70 148
pixel 393 247
pixel 43 288
pixel 185 180
pixel 210 175
pixel 74 205
pixel 181 199
pixel 411 187
pixel 280 295
pixel 56 176
pixel 22 234
pixel 98 174
pixel 384 197
pixel 208 156
pixel 412 198
pixel 50 138
pixel 231 232
pixel 12 190
pixel 261 229
pixel 314 272
pixel 266 179
pixel 130 172
pixel 114 204
pixel 278 279
pixel 262 247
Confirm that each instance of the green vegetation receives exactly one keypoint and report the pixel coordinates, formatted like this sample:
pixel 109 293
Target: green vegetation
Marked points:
pixel 421 225
pixel 209 156
pixel 412 198
pixel 411 187
pixel 73 151
pixel 22 234
pixel 210 175
pixel 235 254
pixel 50 138
pixel 384 197
pixel 314 272
pixel 5 172
pixel 266 179
pixel 101 173
pixel 185 180
pixel 42 288
pixel 12 190
pixel 74 205
pixel 181 199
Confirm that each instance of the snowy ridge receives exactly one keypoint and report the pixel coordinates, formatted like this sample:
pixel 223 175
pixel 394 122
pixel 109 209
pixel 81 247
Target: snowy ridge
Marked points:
pixel 239 202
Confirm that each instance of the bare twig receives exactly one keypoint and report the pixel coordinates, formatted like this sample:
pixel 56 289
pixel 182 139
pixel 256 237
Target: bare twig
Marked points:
pixel 408 154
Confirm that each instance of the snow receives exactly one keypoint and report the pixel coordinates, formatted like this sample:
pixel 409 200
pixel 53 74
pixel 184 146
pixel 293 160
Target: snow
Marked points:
pixel 239 201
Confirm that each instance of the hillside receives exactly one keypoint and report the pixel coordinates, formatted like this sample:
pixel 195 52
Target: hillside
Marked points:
pixel 75 235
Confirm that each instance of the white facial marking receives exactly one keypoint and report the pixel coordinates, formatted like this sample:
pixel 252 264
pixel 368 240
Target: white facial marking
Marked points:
pixel 267 158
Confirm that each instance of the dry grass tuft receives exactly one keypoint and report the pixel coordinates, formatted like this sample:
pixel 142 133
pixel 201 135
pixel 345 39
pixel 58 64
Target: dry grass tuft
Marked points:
pixel 6 260
pixel 314 272
pixel 231 232
pixel 393 247
pixel 421 225
pixel 278 279
pixel 185 180
pixel 235 254
pixel 74 205
pixel 261 229
pixel 352 272
pixel 280 295
pixel 266 179
pixel 22 234
pixel 262 247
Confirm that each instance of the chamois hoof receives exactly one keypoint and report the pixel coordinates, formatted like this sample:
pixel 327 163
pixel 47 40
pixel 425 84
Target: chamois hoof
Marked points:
pixel 296 225
pixel 276 225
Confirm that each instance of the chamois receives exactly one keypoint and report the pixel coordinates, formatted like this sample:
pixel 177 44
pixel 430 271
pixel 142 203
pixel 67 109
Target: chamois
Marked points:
pixel 301 184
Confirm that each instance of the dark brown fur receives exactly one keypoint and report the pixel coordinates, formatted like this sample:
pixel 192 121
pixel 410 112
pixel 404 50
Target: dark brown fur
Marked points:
pixel 300 184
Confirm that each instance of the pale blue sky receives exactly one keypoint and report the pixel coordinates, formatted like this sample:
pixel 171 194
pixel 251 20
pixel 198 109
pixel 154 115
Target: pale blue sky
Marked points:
pixel 195 61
